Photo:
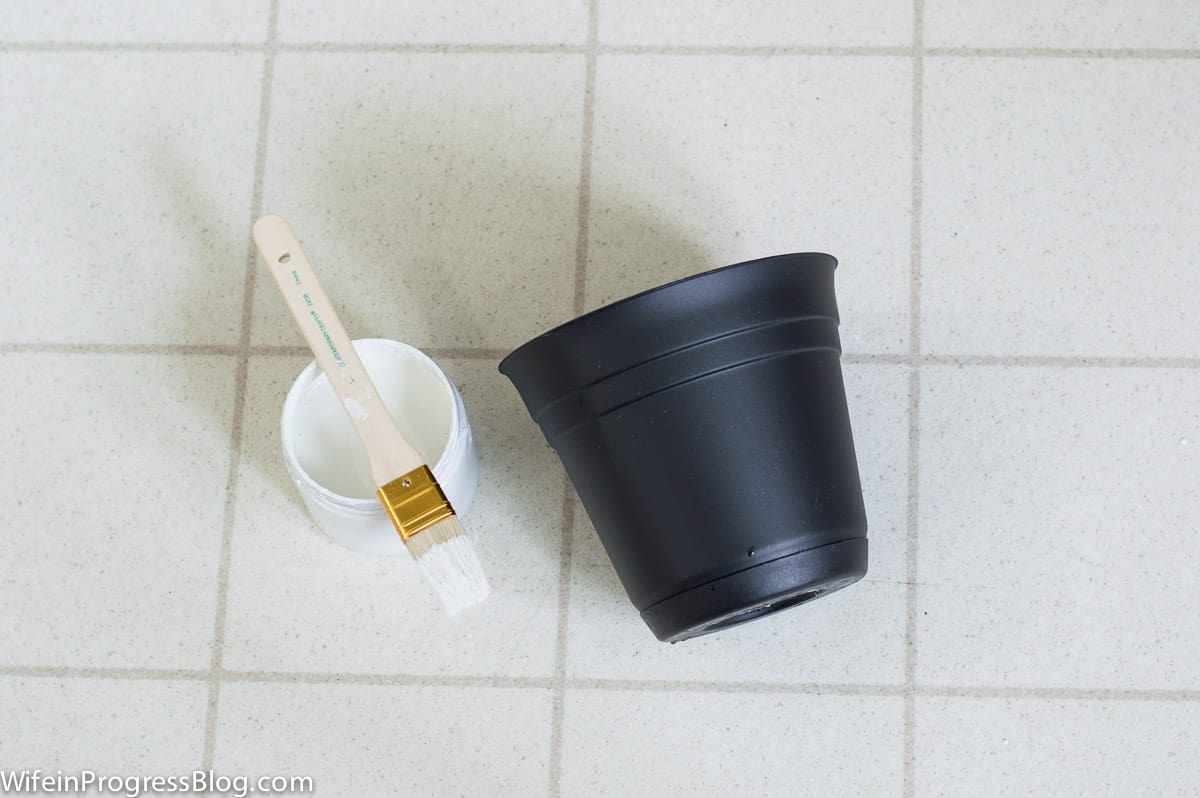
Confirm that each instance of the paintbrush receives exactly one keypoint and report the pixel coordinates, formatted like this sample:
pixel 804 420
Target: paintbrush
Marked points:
pixel 406 485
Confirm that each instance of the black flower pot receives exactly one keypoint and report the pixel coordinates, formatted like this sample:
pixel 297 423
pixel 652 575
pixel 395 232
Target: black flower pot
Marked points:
pixel 704 426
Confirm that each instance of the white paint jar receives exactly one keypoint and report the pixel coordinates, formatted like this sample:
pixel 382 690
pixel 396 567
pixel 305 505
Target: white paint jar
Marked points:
pixel 329 465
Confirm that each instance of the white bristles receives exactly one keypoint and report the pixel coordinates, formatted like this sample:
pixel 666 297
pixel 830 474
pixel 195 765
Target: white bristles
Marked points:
pixel 447 562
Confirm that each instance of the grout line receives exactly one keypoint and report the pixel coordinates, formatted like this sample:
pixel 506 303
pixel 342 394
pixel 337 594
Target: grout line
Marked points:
pixel 131 47
pixel 239 406
pixel 579 301
pixel 131 674
pixel 917 197
pixel 227 520
pixel 882 358
pixel 752 50
pixel 566 550
pixel 1062 52
pixel 435 352
pixel 455 48
pixel 388 680
pixel 1061 361
pixel 462 353
pixel 594 48
pixel 608 685
pixel 585 168
pixel 1062 693
pixel 67 348
pixel 281 350
pixel 756 688
pixel 914 400
pixel 910 569
pixel 466 353
pixel 441 48
pixel 1013 361
pixel 482 353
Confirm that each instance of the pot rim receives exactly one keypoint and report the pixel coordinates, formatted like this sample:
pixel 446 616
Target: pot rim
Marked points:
pixel 591 314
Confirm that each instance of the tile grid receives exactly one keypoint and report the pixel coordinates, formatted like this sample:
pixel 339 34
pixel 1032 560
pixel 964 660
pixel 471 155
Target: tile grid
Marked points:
pixel 914 402
pixel 243 364
pixel 559 682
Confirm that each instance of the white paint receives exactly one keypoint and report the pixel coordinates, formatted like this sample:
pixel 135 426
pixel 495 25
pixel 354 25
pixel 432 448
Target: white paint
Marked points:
pixel 355 409
pixel 453 570
pixel 329 466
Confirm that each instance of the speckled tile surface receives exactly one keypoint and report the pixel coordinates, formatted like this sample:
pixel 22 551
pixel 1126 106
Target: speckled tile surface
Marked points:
pixel 109 725
pixel 1060 207
pixel 1061 23
pixel 1011 191
pixel 110 561
pixel 135 21
pixel 1077 564
pixel 349 737
pixel 124 194
pixel 370 155
pixel 778 23
pixel 445 21
pixel 1026 746
pixel 647 744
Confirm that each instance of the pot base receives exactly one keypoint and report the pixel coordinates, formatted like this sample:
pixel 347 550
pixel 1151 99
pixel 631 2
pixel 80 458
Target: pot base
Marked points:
pixel 757 591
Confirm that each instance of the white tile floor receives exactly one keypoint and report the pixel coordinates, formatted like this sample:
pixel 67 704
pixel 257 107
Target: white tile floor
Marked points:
pixel 1012 190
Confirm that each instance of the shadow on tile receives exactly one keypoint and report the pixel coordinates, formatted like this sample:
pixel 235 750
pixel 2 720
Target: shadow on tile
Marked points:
pixel 502 170
pixel 386 261
pixel 188 201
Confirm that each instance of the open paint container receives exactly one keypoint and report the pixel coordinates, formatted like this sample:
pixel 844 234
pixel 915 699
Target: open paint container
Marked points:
pixel 329 465
pixel 705 429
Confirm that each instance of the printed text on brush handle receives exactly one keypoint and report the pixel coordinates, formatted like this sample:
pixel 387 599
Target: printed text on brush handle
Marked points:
pixel 337 356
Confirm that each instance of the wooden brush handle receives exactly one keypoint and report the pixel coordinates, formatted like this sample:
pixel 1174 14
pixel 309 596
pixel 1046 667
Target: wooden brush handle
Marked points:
pixel 389 453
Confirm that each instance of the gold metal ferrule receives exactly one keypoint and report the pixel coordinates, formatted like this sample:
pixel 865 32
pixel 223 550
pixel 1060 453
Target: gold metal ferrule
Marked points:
pixel 415 502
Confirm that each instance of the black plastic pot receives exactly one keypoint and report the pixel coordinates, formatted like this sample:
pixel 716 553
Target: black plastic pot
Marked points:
pixel 704 426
